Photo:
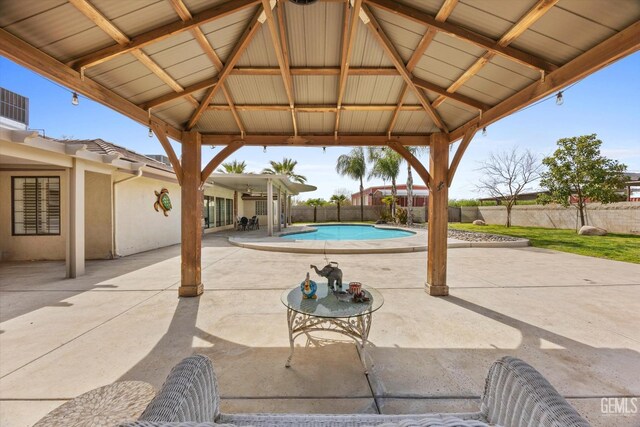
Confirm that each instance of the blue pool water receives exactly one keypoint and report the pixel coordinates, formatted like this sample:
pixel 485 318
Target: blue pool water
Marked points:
pixel 348 232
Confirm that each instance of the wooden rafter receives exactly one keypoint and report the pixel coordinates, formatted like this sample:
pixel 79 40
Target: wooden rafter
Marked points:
pixel 161 33
pixel 122 39
pixel 34 59
pixel 318 140
pixel 219 158
pixel 304 108
pixel 528 19
pixel 615 47
pixel 184 14
pixel 393 54
pixel 172 96
pixel 161 134
pixel 427 38
pixel 455 96
pixel 237 51
pixel 465 34
pixel 466 140
pixel 349 31
pixel 279 44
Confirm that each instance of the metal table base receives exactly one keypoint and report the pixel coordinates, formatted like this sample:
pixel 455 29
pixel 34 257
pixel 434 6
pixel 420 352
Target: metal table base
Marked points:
pixel 356 328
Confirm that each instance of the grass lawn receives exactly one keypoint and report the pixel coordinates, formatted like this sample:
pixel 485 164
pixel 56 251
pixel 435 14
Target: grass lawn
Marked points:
pixel 619 247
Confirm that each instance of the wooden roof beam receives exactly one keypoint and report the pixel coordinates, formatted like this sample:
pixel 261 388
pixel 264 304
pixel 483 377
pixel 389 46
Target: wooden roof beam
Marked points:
pixel 161 33
pixel 528 19
pixel 282 53
pixel 34 59
pixel 303 108
pixel 393 54
pixel 317 140
pixel 314 71
pixel 465 34
pixel 349 31
pixel 615 47
pixel 237 51
pixel 444 12
pixel 184 14
pixel 122 39
pixel 455 96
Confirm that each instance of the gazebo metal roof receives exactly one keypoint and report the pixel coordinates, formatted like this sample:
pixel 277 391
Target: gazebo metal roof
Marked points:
pixel 237 69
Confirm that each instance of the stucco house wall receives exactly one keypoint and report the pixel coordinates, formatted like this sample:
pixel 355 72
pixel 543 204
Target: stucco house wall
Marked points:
pixel 138 226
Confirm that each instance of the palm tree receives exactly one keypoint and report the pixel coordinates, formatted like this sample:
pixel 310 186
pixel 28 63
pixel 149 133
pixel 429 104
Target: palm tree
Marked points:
pixel 286 167
pixel 315 203
pixel 338 199
pixel 233 167
pixel 354 165
pixel 415 151
pixel 386 165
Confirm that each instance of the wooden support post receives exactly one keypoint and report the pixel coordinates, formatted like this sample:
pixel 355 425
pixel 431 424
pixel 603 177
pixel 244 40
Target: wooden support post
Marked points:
pixel 191 284
pixel 438 216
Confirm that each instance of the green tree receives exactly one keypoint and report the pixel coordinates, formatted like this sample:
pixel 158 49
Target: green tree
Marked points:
pixel 233 167
pixel 338 199
pixel 577 172
pixel 386 165
pixel 286 167
pixel 315 203
pixel 354 165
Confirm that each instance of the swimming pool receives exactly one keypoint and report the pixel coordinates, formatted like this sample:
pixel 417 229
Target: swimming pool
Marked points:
pixel 349 232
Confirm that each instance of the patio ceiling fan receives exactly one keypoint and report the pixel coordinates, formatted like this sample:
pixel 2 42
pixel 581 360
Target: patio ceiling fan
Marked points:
pixel 303 2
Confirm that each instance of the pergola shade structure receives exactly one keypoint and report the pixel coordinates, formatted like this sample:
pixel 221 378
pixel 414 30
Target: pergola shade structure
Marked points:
pixel 334 73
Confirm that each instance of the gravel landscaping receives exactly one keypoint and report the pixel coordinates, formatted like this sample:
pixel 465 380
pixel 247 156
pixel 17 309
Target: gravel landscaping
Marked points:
pixel 472 236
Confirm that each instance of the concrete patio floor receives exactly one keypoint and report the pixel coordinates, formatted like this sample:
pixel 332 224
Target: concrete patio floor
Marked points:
pixel 574 318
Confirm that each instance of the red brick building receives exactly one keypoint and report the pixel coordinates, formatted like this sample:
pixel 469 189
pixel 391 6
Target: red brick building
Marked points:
pixel 373 195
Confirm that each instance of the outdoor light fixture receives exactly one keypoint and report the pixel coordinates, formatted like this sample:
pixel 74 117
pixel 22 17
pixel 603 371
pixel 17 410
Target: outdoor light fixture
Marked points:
pixel 264 148
pixel 150 133
pixel 484 131
pixel 324 150
pixel 559 98
pixel 74 99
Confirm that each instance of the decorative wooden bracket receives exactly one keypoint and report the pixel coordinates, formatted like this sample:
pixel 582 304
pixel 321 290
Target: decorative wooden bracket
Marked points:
pixel 468 136
pixel 161 134
pixel 412 160
pixel 218 159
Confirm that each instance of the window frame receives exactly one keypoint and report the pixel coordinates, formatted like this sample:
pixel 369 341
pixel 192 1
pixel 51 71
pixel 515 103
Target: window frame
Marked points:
pixel 13 211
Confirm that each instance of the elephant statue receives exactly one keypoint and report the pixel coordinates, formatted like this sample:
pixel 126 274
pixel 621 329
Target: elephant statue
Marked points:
pixel 332 273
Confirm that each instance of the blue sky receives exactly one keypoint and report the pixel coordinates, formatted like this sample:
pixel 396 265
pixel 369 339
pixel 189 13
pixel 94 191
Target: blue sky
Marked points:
pixel 606 103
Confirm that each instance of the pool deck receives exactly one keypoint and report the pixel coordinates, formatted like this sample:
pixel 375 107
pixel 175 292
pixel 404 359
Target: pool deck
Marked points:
pixel 574 318
pixel 415 243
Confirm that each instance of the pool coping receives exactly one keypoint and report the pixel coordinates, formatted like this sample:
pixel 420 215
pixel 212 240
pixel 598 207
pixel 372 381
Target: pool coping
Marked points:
pixel 415 243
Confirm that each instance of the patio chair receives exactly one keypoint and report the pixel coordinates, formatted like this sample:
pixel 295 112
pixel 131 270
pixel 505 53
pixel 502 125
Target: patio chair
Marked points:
pixel 515 395
pixel 243 223
pixel 252 222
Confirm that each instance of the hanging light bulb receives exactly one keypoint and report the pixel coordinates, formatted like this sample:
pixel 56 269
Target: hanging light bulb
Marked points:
pixel 559 98
pixel 264 148
pixel 324 150
pixel 150 133
pixel 484 131
pixel 74 99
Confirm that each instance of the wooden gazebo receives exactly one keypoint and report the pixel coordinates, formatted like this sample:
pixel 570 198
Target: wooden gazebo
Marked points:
pixel 333 73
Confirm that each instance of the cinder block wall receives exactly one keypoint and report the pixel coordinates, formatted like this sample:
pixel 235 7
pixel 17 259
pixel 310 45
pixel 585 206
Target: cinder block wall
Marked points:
pixel 621 217
pixel 347 213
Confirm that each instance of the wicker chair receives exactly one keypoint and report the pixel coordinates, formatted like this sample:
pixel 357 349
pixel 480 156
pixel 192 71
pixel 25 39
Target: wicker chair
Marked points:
pixel 515 395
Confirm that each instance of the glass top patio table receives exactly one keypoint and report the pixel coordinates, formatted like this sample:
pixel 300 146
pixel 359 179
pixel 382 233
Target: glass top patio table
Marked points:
pixel 328 305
